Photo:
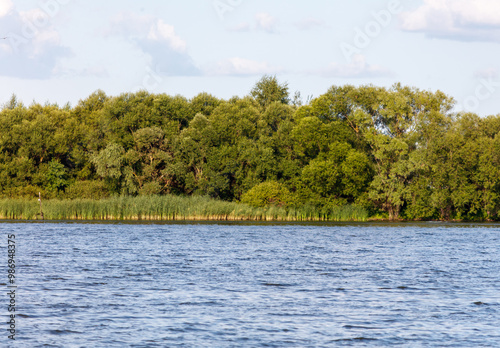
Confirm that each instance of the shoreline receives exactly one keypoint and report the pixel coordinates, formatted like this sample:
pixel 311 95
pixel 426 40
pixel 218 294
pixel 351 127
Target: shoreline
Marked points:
pixel 243 220
pixel 170 208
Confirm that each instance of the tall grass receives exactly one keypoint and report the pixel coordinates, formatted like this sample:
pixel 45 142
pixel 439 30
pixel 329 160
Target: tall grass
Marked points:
pixel 169 207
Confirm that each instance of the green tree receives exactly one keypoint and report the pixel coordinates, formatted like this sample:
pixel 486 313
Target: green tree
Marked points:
pixel 150 165
pixel 56 176
pixel 338 176
pixel 109 165
pixel 268 90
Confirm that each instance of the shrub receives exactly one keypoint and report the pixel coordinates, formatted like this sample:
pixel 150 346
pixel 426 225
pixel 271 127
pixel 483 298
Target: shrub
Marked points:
pixel 267 194
pixel 90 189
pixel 150 188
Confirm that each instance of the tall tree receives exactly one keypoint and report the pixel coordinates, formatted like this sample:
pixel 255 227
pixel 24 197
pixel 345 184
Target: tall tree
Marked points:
pixel 268 90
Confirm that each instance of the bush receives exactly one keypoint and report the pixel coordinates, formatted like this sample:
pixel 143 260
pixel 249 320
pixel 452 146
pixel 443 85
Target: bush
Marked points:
pixel 27 191
pixel 91 189
pixel 268 193
pixel 150 188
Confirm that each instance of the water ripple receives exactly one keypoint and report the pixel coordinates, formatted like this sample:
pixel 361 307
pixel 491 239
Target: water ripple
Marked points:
pixel 230 285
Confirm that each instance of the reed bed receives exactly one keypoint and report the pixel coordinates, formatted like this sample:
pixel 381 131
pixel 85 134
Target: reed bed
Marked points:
pixel 169 207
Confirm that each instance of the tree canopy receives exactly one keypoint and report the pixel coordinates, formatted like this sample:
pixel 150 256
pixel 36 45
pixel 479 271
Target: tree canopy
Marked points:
pixel 400 152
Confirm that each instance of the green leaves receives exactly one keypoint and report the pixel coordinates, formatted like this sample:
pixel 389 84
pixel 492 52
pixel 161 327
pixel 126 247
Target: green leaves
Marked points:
pixel 340 174
pixel 397 151
pixel 147 138
pixel 108 162
pixel 57 176
pixel 268 90
pixel 267 194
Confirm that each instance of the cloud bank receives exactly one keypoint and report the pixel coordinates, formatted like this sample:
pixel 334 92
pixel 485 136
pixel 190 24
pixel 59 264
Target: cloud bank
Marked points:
pixel 462 20
pixel 32 49
pixel 167 50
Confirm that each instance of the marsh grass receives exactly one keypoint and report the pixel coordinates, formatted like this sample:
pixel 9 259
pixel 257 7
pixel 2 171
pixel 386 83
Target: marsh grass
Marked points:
pixel 169 207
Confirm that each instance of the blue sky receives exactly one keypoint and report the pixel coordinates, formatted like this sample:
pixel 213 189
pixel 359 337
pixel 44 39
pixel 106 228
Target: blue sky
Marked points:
pixel 63 50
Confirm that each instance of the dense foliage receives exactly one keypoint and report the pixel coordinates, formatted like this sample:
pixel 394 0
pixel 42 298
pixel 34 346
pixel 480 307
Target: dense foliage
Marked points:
pixel 398 152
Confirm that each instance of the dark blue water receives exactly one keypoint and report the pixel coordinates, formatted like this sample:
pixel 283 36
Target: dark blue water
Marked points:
pixel 195 285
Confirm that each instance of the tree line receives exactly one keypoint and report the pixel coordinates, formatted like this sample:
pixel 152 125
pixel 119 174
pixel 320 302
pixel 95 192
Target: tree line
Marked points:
pixel 399 152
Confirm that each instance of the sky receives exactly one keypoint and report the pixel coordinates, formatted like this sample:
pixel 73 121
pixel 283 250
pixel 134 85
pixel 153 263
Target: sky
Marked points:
pixel 61 51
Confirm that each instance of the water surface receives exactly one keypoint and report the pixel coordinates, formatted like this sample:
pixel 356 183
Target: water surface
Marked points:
pixel 256 285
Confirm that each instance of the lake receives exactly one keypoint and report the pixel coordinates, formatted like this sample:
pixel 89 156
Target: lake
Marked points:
pixel 254 285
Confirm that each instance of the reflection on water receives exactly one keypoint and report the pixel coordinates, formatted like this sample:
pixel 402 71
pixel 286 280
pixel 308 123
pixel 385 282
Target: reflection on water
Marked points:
pixel 276 285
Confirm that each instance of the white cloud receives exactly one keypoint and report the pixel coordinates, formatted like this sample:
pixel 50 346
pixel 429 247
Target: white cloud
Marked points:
pixel 33 46
pixel 263 22
pixel 309 23
pixel 266 22
pixel 167 50
pixel 242 66
pixel 5 7
pixel 456 19
pixel 161 31
pixel 357 68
